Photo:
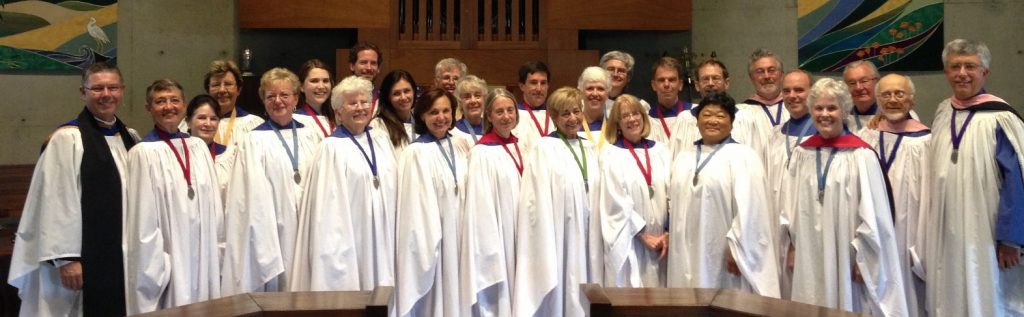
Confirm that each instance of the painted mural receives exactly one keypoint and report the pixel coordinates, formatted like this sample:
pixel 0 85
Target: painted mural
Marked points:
pixel 897 35
pixel 56 35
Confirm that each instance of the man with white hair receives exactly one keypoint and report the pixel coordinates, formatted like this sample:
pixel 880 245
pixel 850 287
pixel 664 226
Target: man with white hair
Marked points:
pixel 862 78
pixel 764 109
pixel 619 65
pixel 902 146
pixel 447 73
pixel 974 225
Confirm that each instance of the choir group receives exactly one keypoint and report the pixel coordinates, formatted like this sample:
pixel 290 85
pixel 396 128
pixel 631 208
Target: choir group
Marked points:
pixel 470 201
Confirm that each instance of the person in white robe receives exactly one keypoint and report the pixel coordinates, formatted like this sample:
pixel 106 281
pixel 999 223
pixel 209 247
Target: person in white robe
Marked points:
pixel 534 121
pixel 902 147
pixel 267 186
pixel 786 137
pixel 317 79
pixel 670 109
pixel 861 77
pixel 712 77
pixel 347 216
pixel 720 230
pixel 201 116
pixel 394 119
pixel 836 219
pixel 171 252
pixel 67 257
pixel 595 83
pixel 471 91
pixel 619 65
pixel 973 226
pixel 430 172
pixel 632 199
pixel 487 232
pixel 224 82
pixel 554 239
pixel 764 110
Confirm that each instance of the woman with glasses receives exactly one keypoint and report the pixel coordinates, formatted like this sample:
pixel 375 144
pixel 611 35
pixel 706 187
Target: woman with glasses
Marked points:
pixel 266 188
pixel 632 199
pixel 223 81
pixel 347 221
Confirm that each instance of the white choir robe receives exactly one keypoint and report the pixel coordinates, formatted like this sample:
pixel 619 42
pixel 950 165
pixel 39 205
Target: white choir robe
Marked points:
pixel 554 243
pixel 785 137
pixel 242 124
pixel 313 120
pixel 529 131
pixel 594 133
pixel 851 226
pixel 963 274
pixel 857 121
pixel 753 126
pixel 378 127
pixel 55 194
pixel 727 210
pixel 346 224
pixel 627 210
pixel 463 136
pixel 910 181
pixel 224 162
pixel 171 242
pixel 487 246
pixel 427 253
pixel 683 134
pixel 664 127
pixel 262 205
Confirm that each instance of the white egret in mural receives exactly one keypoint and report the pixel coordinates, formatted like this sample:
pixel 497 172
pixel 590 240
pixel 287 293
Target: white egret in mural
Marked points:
pixel 97 34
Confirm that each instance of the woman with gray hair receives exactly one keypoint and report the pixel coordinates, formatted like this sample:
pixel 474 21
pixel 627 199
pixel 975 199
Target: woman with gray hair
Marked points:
pixel 470 91
pixel 595 83
pixel 836 218
pixel 267 179
pixel 347 222
pixel 487 233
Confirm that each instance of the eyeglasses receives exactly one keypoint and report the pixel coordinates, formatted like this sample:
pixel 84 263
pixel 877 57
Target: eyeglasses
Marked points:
pixel 99 89
pixel 899 95
pixel 862 82
pixel 282 97
pixel 222 85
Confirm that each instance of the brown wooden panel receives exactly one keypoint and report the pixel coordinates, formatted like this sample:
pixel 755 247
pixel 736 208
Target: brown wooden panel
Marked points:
pixel 674 15
pixel 566 66
pixel 238 305
pixel 315 14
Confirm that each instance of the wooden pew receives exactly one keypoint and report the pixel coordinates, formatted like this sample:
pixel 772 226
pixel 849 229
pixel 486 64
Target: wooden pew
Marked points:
pixel 602 302
pixel 303 304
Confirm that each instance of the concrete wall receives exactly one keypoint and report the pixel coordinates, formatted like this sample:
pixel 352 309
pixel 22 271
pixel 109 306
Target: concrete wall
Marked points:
pixel 734 28
pixel 156 39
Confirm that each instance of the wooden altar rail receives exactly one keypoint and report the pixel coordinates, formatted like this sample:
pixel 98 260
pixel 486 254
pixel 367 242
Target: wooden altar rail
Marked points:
pixel 602 302
pixel 302 304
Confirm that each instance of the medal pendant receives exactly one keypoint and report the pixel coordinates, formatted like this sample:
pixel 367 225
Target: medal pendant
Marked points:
pixel 650 191
pixel 694 180
pixel 191 193
pixel 376 182
pixel 954 156
pixel 297 177
pixel 821 196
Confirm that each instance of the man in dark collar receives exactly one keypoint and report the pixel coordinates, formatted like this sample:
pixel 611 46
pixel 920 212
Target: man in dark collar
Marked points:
pixel 67 256
pixel 975 226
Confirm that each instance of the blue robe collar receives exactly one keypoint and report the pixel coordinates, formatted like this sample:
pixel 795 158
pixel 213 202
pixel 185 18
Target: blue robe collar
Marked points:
pixel 543 106
pixel 429 138
pixel 477 129
pixel 871 111
pixel 728 140
pixel 620 142
pixel 266 125
pixel 152 136
pixel 342 132
pixel 790 127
